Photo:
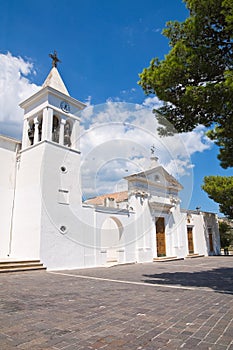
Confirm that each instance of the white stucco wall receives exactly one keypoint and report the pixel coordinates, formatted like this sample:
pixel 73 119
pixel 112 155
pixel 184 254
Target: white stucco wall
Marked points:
pixel 211 222
pixel 28 200
pixel 7 183
pixel 64 233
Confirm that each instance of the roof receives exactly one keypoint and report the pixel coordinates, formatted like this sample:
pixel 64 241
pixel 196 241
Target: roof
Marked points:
pixel 55 81
pixel 99 200
pixel 9 143
pixel 10 139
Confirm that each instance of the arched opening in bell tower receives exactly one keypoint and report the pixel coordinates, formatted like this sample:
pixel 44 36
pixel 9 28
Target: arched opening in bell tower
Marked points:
pixel 67 133
pixel 31 131
pixel 55 129
pixel 40 123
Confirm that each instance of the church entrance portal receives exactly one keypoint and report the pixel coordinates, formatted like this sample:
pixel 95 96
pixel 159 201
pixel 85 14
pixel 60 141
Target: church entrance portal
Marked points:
pixel 211 243
pixel 111 233
pixel 160 237
pixel 190 240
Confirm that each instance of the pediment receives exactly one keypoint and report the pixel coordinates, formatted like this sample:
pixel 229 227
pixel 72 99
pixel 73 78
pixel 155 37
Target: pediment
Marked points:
pixel 157 177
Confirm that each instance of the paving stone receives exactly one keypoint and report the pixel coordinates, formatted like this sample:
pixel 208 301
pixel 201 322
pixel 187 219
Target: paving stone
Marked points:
pixel 43 310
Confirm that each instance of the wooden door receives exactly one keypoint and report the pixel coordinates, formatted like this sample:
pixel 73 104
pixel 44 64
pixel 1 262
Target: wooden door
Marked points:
pixel 211 242
pixel 160 237
pixel 190 240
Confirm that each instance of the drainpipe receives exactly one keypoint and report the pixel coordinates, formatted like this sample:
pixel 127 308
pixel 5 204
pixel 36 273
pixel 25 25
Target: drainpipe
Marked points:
pixel 13 201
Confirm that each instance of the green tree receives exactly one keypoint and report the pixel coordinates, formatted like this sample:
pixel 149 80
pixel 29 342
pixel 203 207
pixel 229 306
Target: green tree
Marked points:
pixel 226 234
pixel 195 80
pixel 220 189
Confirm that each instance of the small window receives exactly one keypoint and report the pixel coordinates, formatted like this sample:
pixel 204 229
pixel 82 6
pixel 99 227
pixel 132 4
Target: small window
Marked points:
pixel 63 169
pixel 156 178
pixel 63 229
pixel 63 196
pixel 111 202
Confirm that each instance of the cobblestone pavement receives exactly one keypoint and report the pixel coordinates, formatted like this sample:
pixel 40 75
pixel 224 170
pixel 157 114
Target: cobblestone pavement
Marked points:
pixel 167 305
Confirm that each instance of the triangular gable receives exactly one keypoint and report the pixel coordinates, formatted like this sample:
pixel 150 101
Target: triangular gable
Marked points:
pixel 156 175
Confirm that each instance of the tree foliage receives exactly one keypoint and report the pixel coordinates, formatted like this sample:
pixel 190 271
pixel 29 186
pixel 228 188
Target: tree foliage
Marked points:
pixel 195 79
pixel 226 234
pixel 220 189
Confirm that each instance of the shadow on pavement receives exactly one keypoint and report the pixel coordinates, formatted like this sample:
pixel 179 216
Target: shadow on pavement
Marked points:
pixel 219 280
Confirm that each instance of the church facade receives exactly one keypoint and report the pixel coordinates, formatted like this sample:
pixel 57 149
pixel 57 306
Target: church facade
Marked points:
pixel 44 218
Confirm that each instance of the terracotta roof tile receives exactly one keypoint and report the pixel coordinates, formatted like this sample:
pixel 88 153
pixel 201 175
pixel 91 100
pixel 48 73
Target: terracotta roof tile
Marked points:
pixel 99 200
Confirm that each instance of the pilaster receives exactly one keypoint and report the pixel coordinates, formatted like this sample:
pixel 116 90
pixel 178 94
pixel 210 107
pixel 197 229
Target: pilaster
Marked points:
pixel 61 135
pixel 75 136
pixel 25 134
pixel 36 133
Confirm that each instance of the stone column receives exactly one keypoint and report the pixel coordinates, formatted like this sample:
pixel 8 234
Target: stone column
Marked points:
pixel 36 132
pixel 61 135
pixel 47 124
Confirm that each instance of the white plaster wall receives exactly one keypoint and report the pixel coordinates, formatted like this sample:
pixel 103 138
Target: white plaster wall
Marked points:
pixel 182 250
pixel 199 240
pixel 143 228
pixel 36 106
pixel 211 220
pixel 111 238
pixel 126 246
pixel 74 247
pixel 178 233
pixel 28 198
pixel 7 180
pixel 80 246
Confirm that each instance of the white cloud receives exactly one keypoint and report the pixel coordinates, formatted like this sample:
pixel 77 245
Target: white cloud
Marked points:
pixel 117 137
pixel 156 30
pixel 14 88
pixel 88 101
pixel 152 102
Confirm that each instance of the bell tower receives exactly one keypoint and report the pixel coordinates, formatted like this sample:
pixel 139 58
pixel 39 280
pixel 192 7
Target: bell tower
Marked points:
pixel 52 114
pixel 48 190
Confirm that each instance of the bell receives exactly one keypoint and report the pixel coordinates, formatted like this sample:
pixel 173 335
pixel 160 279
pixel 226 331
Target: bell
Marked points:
pixel 67 139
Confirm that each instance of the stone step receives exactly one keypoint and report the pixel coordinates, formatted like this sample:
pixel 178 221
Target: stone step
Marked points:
pixel 166 258
pixel 17 266
pixel 192 256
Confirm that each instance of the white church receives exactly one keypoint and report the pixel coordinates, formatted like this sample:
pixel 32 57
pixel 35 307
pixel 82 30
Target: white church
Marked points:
pixel 43 218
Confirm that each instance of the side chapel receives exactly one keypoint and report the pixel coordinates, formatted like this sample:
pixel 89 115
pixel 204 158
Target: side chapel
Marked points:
pixel 43 216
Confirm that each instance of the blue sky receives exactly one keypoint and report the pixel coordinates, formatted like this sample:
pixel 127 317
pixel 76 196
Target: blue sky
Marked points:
pixel 103 45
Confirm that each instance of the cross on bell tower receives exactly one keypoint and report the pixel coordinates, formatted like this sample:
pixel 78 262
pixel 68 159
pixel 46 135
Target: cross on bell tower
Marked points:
pixel 55 59
pixel 153 158
pixel 152 149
